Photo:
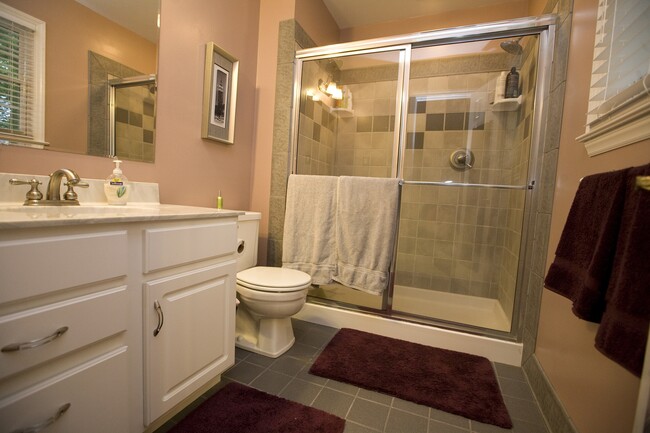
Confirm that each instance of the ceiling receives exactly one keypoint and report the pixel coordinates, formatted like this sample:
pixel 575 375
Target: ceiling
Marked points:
pixel 353 13
pixel 138 16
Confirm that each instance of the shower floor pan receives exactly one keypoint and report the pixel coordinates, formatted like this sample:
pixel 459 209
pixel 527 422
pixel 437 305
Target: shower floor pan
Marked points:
pixel 451 307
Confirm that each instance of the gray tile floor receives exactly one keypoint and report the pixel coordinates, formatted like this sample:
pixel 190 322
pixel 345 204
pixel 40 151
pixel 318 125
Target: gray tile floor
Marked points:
pixel 366 411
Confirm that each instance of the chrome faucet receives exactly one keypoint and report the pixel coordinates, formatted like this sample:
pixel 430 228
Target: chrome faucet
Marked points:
pixel 53 196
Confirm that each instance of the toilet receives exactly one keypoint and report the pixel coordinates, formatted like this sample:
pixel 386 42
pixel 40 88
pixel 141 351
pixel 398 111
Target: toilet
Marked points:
pixel 268 296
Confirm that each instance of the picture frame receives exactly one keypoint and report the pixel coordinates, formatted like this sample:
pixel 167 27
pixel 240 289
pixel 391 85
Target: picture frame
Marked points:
pixel 219 94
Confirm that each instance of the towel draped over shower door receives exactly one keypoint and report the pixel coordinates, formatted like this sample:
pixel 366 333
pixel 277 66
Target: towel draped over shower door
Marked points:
pixel 365 231
pixel 308 242
pixel 341 229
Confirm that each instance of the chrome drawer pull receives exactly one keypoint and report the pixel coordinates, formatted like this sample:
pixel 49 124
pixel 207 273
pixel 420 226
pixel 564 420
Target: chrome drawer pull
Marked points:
pixel 47 422
pixel 161 317
pixel 14 347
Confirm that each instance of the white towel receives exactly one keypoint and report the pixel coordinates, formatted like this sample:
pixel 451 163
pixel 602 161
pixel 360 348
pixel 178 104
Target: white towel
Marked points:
pixel 365 231
pixel 309 242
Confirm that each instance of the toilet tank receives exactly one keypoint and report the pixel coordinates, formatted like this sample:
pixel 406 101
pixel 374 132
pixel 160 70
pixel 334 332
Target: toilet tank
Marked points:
pixel 248 226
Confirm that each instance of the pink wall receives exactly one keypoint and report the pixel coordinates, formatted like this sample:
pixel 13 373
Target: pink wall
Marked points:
pixel 190 170
pixel 599 395
pixel 317 22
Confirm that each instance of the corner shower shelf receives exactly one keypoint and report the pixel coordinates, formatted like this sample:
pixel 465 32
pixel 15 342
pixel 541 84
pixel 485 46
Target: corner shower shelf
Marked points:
pixel 507 104
pixel 343 112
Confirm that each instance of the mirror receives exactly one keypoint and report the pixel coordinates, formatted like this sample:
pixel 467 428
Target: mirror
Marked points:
pixel 93 48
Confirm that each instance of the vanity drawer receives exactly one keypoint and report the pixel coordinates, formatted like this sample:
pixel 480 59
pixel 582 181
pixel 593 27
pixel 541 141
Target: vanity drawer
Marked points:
pixel 178 245
pixel 95 391
pixel 32 266
pixel 87 318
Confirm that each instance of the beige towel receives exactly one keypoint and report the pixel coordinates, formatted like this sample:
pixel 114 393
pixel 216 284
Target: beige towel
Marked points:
pixel 309 243
pixel 365 231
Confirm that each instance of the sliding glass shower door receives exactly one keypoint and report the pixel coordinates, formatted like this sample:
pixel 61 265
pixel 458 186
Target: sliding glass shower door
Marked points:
pixel 349 126
pixel 465 170
pixel 432 113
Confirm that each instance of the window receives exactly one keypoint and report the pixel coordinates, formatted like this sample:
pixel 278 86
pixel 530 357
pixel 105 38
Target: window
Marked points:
pixel 619 100
pixel 22 79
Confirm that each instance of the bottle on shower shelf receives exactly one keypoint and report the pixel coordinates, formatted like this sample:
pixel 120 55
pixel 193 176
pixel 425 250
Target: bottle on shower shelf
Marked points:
pixel 512 83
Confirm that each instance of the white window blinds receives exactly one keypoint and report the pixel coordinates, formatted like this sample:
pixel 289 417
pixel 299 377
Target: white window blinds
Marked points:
pixel 621 55
pixel 21 78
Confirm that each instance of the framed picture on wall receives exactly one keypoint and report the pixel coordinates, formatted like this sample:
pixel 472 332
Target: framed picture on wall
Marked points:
pixel 219 95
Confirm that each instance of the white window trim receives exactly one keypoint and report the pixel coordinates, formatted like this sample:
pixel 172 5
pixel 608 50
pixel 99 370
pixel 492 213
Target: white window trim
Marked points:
pixel 627 124
pixel 623 118
pixel 38 120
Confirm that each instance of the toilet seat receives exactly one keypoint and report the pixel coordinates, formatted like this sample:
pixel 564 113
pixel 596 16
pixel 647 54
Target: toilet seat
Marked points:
pixel 271 279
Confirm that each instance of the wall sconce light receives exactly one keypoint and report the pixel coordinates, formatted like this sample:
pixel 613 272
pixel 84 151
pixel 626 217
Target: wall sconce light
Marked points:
pixel 330 88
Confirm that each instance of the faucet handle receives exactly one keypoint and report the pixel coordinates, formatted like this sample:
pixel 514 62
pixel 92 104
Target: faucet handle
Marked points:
pixel 33 196
pixel 70 194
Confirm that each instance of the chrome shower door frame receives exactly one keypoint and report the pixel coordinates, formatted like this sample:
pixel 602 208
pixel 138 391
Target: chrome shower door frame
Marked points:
pixel 545 28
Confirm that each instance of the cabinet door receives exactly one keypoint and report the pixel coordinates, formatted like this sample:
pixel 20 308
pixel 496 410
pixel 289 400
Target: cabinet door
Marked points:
pixel 192 315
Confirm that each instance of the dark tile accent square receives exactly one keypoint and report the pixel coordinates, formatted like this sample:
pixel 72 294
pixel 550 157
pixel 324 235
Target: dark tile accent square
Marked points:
pixel 415 140
pixel 454 121
pixel 316 132
pixel 325 119
pixel 416 106
pixel 380 123
pixel 147 108
pixel 147 136
pixel 135 119
pixel 475 121
pixel 435 122
pixel 364 124
pixel 331 121
pixel 412 105
pixel 121 115
pixel 309 108
pixel 391 124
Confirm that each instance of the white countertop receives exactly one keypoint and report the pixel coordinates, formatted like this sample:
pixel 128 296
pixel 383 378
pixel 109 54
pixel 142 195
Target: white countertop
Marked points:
pixel 19 216
pixel 93 208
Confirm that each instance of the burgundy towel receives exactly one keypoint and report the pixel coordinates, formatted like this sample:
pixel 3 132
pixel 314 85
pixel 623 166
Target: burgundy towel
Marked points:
pixel 623 331
pixel 585 253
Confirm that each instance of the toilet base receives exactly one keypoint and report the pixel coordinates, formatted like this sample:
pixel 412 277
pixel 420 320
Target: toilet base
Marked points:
pixel 267 337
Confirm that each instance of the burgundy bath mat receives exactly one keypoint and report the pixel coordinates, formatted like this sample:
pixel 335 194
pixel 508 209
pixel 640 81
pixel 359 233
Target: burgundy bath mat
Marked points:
pixel 238 408
pixel 454 382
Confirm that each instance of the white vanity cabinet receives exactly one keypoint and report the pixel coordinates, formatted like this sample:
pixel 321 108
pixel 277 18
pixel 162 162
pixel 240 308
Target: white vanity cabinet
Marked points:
pixel 63 320
pixel 189 307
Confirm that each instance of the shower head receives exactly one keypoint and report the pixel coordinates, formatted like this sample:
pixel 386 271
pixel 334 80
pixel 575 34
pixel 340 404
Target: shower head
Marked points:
pixel 512 46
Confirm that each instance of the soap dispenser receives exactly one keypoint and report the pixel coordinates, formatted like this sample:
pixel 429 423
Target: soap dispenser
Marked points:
pixel 116 187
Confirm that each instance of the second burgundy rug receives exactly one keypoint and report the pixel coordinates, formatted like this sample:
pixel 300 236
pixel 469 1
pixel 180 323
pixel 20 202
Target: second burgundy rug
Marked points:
pixel 238 408
pixel 454 382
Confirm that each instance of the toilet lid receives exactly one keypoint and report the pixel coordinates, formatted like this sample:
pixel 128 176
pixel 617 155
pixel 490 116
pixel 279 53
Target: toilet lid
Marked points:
pixel 269 279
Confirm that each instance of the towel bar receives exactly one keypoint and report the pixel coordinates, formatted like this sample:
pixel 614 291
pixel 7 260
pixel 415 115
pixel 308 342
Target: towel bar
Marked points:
pixel 643 182
pixel 476 185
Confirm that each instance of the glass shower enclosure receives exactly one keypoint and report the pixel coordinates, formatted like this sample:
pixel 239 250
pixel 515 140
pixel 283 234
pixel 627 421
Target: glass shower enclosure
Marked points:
pixel 430 109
